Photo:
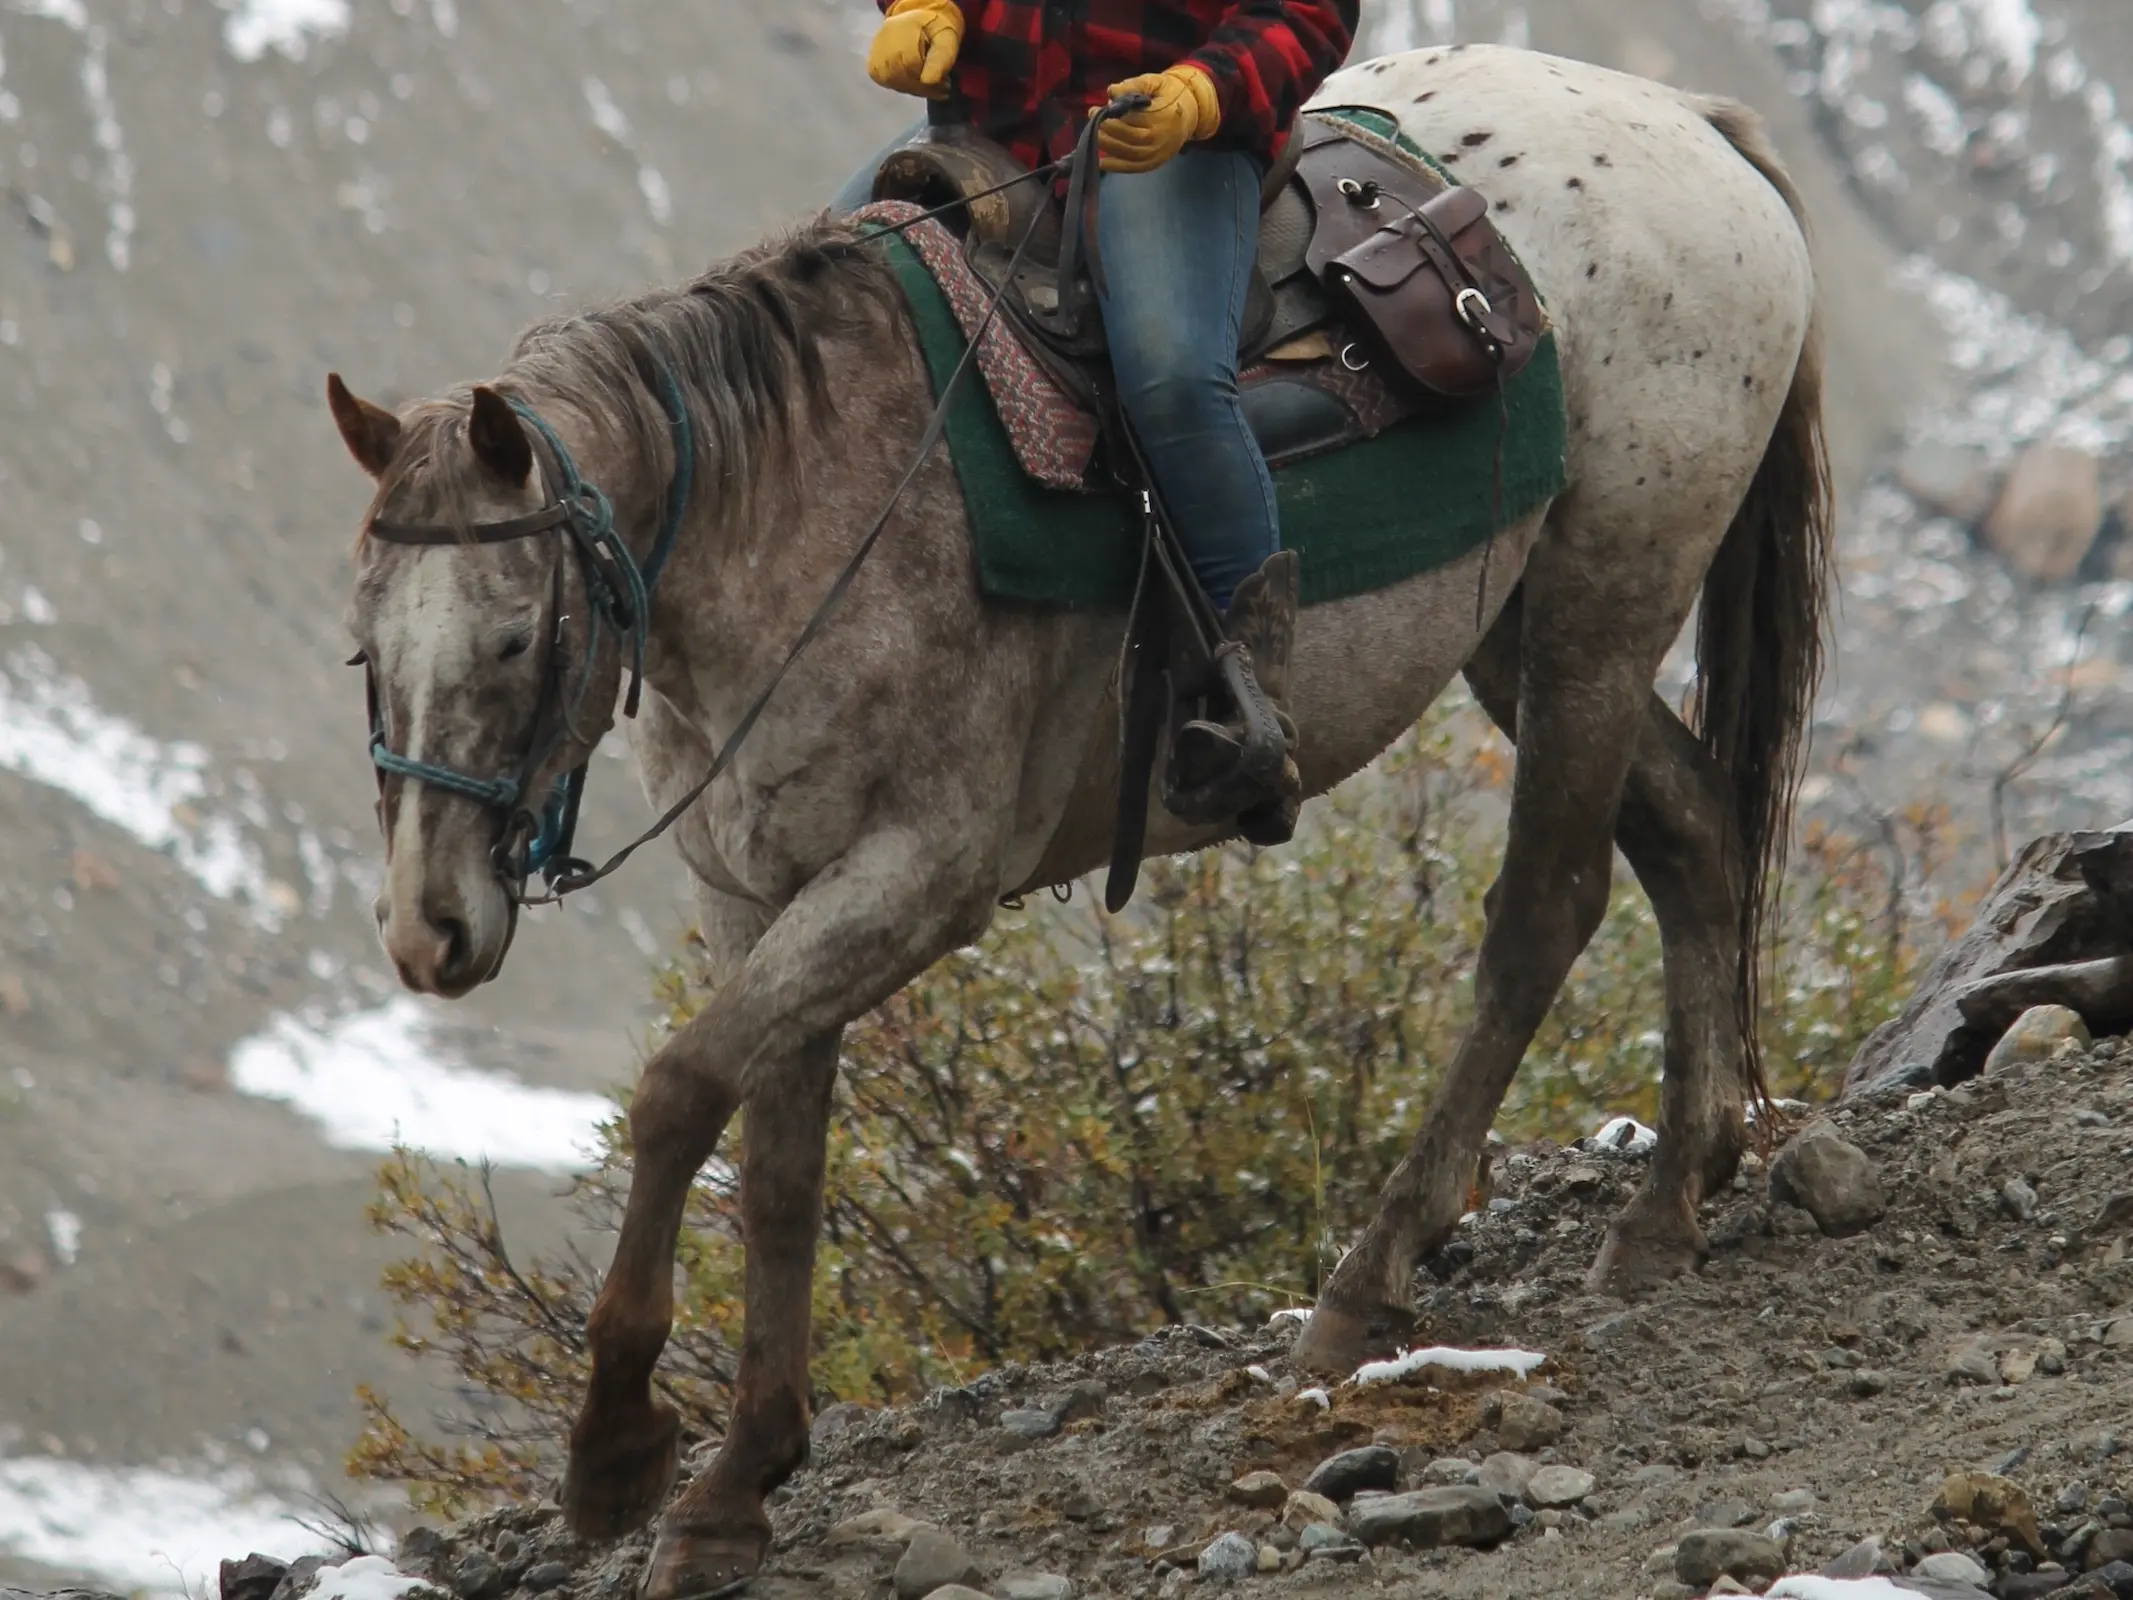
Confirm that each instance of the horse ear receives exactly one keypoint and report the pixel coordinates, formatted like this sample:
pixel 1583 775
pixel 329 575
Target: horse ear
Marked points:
pixel 371 432
pixel 498 440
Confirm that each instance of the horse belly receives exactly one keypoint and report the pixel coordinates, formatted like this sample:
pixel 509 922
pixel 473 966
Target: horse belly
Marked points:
pixel 1365 669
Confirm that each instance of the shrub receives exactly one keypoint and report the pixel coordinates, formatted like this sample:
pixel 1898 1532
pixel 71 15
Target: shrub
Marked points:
pixel 1087 1125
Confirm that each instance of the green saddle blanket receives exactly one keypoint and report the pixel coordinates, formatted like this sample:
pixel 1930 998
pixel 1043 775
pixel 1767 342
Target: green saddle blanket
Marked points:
pixel 1417 496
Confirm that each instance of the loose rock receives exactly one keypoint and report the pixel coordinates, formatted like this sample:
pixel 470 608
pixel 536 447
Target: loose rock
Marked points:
pixel 2048 513
pixel 1952 1566
pixel 1229 1558
pixel 1972 1362
pixel 931 1561
pixel 2018 1199
pixel 1037 1586
pixel 1948 479
pixel 1448 1469
pixel 1830 1178
pixel 2038 1034
pixel 254 1578
pixel 2113 1545
pixel 1558 1486
pixel 1306 1507
pixel 1995 1504
pixel 478 1576
pixel 884 1528
pixel 1507 1474
pixel 1374 1466
pixel 1528 1424
pixel 1260 1490
pixel 1708 1554
pixel 1030 1424
pixel 1454 1514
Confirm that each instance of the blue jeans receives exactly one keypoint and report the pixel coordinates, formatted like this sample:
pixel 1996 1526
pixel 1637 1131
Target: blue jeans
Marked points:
pixel 1177 246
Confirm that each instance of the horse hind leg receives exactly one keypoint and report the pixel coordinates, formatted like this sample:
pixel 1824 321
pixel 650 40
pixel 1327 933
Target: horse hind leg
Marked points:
pixel 1595 625
pixel 1671 830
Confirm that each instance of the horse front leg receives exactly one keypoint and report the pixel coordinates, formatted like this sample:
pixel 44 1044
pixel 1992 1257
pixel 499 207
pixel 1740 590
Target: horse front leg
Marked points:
pixel 718 1531
pixel 624 1445
pixel 861 929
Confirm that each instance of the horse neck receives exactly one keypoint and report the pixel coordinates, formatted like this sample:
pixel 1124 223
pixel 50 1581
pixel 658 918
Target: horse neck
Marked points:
pixel 756 558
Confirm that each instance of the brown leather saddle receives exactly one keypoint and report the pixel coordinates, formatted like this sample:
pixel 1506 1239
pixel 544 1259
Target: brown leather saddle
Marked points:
pixel 1370 267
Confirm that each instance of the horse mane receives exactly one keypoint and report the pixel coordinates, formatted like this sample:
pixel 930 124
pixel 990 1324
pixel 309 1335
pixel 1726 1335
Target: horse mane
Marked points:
pixel 744 341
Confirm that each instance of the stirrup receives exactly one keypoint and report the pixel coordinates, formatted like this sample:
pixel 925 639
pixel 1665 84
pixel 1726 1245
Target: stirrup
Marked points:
pixel 1216 770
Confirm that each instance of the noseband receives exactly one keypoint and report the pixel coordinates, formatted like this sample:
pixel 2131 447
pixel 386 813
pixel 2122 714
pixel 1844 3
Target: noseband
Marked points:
pixel 619 592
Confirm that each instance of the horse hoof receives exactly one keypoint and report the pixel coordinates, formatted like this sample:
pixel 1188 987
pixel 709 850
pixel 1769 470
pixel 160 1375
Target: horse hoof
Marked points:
pixel 702 1566
pixel 1333 1342
pixel 1642 1253
pixel 619 1477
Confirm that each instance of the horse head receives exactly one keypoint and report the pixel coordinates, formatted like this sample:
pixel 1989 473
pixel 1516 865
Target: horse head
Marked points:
pixel 489 678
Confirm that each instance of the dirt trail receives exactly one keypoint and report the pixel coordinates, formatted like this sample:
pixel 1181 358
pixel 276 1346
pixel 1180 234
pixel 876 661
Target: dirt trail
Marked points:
pixel 1814 1391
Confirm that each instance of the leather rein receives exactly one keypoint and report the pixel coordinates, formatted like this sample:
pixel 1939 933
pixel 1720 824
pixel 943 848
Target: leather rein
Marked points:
pixel 620 591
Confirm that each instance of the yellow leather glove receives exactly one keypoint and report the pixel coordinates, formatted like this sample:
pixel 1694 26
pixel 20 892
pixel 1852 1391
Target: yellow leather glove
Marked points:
pixel 1183 107
pixel 916 46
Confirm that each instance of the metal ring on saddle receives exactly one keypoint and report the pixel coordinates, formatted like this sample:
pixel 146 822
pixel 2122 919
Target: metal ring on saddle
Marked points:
pixel 1474 308
pixel 1349 357
pixel 1364 196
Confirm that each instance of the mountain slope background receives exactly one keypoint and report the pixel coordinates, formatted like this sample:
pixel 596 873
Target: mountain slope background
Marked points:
pixel 205 207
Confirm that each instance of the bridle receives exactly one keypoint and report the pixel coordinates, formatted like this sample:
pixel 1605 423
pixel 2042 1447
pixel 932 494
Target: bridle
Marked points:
pixel 620 592
pixel 619 598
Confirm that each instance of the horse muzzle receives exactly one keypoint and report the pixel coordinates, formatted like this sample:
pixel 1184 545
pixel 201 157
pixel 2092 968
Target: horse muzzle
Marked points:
pixel 446 944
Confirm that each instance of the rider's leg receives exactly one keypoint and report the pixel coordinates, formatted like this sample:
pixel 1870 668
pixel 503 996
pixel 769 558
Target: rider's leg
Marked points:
pixel 1174 267
pixel 1176 252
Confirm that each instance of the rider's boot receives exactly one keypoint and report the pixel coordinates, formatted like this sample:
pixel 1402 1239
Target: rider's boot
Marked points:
pixel 1243 768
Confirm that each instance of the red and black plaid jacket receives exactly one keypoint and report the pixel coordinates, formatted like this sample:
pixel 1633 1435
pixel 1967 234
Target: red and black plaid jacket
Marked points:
pixel 1030 69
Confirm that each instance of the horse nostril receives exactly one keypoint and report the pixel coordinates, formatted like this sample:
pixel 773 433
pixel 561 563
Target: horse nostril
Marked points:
pixel 457 943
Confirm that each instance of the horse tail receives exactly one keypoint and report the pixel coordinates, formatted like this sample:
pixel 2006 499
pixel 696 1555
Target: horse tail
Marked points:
pixel 1760 631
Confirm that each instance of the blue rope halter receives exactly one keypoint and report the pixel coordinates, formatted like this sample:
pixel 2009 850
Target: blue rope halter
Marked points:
pixel 620 591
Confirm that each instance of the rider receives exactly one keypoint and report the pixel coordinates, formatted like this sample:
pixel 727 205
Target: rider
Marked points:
pixel 1178 225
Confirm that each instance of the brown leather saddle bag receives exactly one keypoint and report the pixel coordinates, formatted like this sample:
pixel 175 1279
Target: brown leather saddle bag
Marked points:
pixel 1438 292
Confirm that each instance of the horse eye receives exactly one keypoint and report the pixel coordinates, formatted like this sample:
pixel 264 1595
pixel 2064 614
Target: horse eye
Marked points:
pixel 516 645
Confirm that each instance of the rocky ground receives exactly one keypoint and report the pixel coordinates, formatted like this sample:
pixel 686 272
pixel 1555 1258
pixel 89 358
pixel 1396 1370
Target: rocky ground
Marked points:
pixel 204 206
pixel 1940 1394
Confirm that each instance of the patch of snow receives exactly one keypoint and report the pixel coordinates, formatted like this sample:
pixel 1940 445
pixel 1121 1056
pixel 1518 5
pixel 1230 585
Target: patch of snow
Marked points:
pixel 1314 1397
pixel 1299 1315
pixel 364 1578
pixel 2034 382
pixel 1517 1362
pixel 159 1529
pixel 2114 169
pixel 1808 1587
pixel 63 1227
pixel 606 115
pixel 70 12
pixel 53 732
pixel 287 27
pixel 375 1079
pixel 1626 1134
pixel 1940 119
pixel 610 120
pixel 2006 30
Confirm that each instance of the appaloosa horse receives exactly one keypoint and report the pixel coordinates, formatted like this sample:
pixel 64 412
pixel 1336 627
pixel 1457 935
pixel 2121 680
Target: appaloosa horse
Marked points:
pixel 934 753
